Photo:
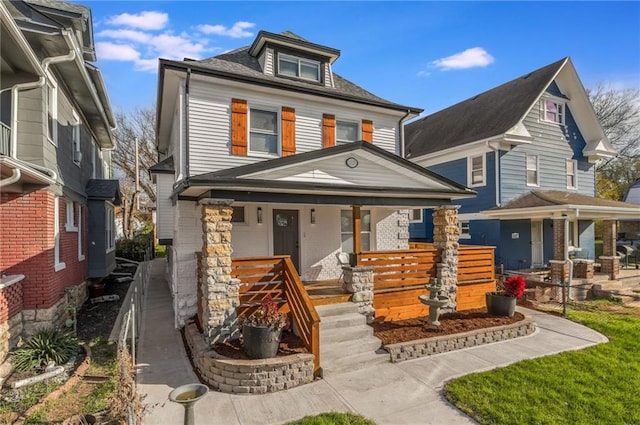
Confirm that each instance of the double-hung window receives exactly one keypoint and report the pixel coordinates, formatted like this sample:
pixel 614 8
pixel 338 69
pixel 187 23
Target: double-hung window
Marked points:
pixel 80 248
pixel 57 263
pixel 238 215
pixel 110 236
pixel 263 131
pixel 75 136
pixel 553 111
pixel 70 225
pixel 50 103
pixel 465 230
pixel 572 182
pixel 477 173
pixel 415 215
pixel 532 170
pixel 346 230
pixel 346 132
pixel 292 66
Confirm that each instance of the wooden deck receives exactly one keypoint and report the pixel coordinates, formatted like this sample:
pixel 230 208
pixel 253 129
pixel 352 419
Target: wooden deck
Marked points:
pixel 323 292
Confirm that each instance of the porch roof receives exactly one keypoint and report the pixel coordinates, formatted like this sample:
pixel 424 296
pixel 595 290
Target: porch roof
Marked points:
pixel 555 204
pixel 357 173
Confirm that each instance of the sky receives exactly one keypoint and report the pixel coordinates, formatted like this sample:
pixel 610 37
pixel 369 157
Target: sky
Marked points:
pixel 428 55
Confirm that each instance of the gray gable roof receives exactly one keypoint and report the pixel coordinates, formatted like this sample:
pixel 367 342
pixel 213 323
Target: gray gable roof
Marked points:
pixel 102 189
pixel 240 65
pixel 488 114
pixel 163 167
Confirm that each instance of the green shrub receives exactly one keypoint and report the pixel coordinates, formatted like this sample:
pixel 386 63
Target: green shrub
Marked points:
pixel 134 249
pixel 48 344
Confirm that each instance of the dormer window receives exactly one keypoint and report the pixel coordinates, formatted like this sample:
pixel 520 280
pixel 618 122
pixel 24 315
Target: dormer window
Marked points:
pixel 346 132
pixel 292 66
pixel 553 111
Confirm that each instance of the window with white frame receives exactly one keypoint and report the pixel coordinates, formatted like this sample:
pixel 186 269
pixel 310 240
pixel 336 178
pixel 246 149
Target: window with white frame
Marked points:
pixel 57 264
pixel 263 131
pixel 80 249
pixel 574 240
pixel 292 66
pixel 465 232
pixel 70 225
pixel 415 215
pixel 75 136
pixel 238 215
pixel 50 102
pixel 572 181
pixel 477 173
pixel 552 111
pixel 346 132
pixel 532 170
pixel 110 237
pixel 346 230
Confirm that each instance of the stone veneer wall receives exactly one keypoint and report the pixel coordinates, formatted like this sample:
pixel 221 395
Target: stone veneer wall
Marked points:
pixel 247 376
pixel 358 281
pixel 443 344
pixel 445 238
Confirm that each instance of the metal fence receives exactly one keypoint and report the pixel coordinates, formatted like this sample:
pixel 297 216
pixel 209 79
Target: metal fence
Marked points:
pixel 130 330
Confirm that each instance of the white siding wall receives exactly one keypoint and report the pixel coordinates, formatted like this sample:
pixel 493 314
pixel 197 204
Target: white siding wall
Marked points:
pixel 164 183
pixel 187 240
pixel 209 123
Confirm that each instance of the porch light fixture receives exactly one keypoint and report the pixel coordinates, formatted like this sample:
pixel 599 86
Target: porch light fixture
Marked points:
pixel 313 216
pixel 259 215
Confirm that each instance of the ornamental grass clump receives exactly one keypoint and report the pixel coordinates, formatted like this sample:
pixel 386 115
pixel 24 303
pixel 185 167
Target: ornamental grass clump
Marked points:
pixel 266 316
pixel 45 346
pixel 513 287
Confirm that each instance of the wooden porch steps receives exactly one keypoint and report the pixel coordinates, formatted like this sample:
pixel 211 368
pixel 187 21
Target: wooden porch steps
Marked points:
pixel 346 341
pixel 326 292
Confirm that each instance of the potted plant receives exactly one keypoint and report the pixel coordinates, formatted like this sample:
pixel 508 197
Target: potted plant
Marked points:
pixel 503 302
pixel 261 331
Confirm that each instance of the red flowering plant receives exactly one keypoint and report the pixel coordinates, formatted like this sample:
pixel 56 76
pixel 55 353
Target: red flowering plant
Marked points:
pixel 266 316
pixel 513 287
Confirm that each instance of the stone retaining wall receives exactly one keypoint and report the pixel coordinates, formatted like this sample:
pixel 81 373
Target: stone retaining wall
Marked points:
pixel 247 376
pixel 442 344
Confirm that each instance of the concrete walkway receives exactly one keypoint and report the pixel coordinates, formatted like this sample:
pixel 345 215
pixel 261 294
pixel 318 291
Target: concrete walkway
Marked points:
pixel 403 393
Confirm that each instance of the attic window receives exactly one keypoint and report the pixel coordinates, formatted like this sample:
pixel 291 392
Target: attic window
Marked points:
pixel 553 111
pixel 304 69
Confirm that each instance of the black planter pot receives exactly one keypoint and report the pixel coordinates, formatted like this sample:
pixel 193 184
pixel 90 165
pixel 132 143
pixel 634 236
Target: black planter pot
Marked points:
pixel 500 305
pixel 261 342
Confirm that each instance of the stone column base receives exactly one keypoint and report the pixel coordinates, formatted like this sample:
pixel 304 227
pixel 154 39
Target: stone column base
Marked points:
pixel 358 281
pixel 610 265
pixel 559 271
pixel 583 269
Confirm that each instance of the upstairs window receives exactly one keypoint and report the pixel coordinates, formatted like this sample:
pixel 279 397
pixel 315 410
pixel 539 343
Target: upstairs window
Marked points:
pixel 297 67
pixel 476 169
pixel 263 131
pixel 532 170
pixel 75 136
pixel 553 111
pixel 571 174
pixel 346 132
pixel 50 103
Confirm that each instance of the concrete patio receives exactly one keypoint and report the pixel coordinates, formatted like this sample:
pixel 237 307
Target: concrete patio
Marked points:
pixel 404 393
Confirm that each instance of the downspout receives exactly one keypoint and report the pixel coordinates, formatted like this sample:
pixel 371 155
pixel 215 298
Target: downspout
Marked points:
pixel 12 179
pixel 401 132
pixel 186 124
pixel 497 167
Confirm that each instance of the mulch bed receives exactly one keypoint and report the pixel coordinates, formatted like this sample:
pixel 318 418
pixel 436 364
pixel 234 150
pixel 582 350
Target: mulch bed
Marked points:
pixel 290 344
pixel 450 323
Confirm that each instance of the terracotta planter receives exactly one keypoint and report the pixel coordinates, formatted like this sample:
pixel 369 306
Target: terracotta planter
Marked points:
pixel 261 342
pixel 500 305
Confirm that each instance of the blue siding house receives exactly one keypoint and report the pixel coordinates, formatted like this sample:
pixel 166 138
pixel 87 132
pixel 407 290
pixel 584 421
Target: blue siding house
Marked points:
pixel 529 149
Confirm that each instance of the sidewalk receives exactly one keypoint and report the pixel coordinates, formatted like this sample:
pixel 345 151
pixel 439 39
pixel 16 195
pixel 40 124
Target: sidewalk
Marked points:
pixel 403 393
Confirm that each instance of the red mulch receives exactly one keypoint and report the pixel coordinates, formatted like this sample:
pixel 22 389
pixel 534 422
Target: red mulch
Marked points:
pixel 290 344
pixel 450 323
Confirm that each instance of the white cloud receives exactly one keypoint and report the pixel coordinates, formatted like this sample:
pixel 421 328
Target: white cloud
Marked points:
pixel 423 73
pixel 133 35
pixel 119 52
pixel 470 58
pixel 238 30
pixel 147 20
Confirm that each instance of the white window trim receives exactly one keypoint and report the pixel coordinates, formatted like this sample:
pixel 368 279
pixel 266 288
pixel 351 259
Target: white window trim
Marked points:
pixel 347 121
pixel 75 138
pixel 558 101
pixel 526 167
pixel 57 264
pixel 575 236
pixel 70 225
pixel 412 220
pixel 575 173
pixel 51 83
pixel 470 171
pixel 278 134
pixel 110 237
pixel 80 252
pixel 299 60
pixel 468 226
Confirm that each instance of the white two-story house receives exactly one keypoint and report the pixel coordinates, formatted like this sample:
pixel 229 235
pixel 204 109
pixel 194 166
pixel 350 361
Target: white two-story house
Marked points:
pixel 298 149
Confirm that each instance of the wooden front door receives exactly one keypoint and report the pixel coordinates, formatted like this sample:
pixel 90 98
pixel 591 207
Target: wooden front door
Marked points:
pixel 286 235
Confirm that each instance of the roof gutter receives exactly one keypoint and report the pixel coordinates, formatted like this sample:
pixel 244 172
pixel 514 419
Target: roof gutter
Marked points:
pixel 401 131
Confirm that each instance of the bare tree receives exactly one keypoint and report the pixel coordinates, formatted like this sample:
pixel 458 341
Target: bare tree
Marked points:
pixel 619 113
pixel 136 127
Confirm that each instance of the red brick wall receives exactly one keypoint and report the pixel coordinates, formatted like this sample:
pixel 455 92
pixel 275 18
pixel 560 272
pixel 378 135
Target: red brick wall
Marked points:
pixel 27 247
pixel 10 301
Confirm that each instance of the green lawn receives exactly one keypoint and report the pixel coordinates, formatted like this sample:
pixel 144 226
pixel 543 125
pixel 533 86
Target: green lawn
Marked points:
pixel 332 418
pixel 597 385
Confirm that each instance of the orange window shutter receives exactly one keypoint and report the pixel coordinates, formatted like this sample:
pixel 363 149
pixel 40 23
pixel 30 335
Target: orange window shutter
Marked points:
pixel 328 130
pixel 238 127
pixel 288 131
pixel 367 131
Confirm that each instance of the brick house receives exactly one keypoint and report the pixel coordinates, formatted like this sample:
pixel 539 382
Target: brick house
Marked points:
pixel 56 196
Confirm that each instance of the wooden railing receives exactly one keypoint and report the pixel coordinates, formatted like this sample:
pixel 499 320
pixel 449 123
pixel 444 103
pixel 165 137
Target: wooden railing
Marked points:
pixel 277 276
pixel 403 268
